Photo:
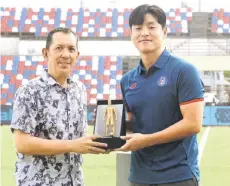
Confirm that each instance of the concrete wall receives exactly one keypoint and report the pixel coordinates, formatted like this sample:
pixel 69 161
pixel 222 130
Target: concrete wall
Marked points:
pixel 210 63
pixel 9 46
pixel 90 48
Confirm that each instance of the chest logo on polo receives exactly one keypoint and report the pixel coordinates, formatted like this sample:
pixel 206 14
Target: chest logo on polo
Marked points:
pixel 162 81
pixel 133 86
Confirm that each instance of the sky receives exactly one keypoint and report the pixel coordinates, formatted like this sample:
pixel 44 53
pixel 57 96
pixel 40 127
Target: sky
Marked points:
pixel 205 5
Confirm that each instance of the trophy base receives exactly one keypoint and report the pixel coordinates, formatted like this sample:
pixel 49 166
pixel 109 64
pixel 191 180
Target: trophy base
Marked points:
pixel 111 141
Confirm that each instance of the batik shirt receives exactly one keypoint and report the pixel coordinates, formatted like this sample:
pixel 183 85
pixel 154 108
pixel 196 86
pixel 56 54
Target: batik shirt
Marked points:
pixel 44 109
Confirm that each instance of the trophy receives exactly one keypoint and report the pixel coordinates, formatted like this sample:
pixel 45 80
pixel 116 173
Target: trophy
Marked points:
pixel 110 123
pixel 110 116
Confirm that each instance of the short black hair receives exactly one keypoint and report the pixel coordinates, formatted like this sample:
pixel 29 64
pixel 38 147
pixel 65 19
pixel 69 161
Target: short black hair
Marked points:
pixel 138 14
pixel 49 38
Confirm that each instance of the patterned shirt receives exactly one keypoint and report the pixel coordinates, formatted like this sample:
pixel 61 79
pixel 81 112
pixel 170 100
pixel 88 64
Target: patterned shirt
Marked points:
pixel 44 109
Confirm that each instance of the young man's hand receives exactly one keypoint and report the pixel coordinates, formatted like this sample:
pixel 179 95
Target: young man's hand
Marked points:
pixel 134 142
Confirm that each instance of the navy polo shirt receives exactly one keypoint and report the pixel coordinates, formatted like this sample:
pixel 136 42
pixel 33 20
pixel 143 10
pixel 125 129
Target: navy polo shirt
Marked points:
pixel 154 98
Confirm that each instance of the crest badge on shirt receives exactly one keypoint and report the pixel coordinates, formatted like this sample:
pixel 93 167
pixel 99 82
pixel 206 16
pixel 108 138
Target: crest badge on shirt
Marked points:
pixel 133 86
pixel 162 81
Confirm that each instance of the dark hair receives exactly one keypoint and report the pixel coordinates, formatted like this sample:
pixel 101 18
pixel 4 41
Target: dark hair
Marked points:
pixel 60 29
pixel 138 14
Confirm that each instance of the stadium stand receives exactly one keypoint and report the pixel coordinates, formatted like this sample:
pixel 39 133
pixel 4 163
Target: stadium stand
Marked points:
pixel 85 22
pixel 221 21
pixel 100 74
pixel 98 23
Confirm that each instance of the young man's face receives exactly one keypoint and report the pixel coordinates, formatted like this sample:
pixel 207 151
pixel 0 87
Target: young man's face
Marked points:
pixel 148 37
pixel 62 54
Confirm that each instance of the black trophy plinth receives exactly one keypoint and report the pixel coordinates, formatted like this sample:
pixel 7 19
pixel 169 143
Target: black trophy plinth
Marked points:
pixel 113 141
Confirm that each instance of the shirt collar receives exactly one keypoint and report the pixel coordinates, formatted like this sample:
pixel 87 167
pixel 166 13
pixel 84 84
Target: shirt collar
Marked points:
pixel 50 80
pixel 160 63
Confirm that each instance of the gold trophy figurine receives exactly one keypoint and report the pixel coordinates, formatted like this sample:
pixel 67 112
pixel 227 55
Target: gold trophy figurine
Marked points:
pixel 110 116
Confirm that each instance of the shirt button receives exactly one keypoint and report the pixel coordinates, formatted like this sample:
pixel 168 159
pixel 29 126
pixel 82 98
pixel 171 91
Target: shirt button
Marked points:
pixel 71 125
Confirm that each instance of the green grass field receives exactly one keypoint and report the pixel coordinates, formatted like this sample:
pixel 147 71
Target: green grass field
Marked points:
pixel 101 169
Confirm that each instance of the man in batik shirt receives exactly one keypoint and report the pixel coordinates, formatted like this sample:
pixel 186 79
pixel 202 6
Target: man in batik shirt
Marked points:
pixel 49 120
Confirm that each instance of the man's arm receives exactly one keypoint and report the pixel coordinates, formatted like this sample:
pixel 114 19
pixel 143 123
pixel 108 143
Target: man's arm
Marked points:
pixel 189 125
pixel 27 144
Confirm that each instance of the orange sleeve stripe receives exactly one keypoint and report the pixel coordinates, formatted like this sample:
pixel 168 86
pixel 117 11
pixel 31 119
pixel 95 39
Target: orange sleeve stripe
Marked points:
pixel 192 101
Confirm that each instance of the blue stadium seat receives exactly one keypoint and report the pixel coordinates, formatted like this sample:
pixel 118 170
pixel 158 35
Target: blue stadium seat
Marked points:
pixel 115 20
pixel 80 20
pixel 22 20
pixel 57 18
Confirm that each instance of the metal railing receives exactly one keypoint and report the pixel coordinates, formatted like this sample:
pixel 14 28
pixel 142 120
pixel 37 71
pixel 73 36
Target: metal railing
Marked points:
pixel 199 47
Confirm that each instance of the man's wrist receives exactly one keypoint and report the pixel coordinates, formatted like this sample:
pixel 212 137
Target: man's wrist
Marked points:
pixel 71 145
pixel 149 140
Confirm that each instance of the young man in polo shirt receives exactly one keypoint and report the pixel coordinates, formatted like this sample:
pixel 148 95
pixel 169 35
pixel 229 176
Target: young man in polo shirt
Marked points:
pixel 164 100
